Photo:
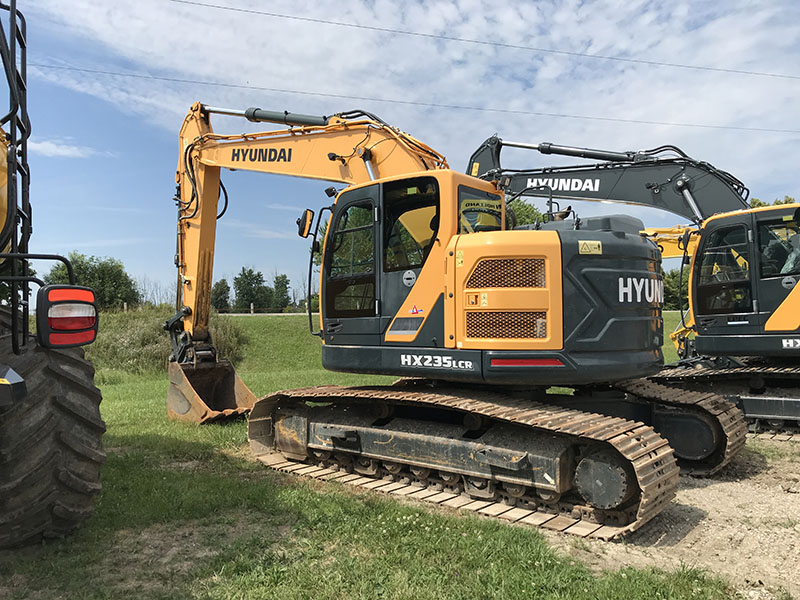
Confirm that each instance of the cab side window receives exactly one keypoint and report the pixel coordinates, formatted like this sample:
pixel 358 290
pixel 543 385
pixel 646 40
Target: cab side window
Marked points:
pixel 779 248
pixel 351 272
pixel 478 211
pixel 723 274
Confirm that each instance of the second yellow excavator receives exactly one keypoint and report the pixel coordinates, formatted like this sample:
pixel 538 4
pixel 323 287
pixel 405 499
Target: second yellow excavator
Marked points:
pixel 421 277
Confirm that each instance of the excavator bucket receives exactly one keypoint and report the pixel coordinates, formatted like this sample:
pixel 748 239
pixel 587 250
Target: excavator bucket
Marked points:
pixel 206 392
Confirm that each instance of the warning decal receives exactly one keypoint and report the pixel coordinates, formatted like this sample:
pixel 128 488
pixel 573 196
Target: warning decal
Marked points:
pixel 590 247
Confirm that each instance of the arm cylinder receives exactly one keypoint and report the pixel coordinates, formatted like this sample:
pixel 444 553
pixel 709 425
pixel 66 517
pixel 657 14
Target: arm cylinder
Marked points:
pixel 548 148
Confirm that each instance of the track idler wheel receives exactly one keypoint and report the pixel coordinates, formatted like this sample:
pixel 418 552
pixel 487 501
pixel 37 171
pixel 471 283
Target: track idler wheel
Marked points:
pixel 694 436
pixel 605 480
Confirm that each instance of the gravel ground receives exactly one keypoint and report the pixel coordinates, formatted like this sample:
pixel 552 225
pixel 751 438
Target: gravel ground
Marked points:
pixel 742 524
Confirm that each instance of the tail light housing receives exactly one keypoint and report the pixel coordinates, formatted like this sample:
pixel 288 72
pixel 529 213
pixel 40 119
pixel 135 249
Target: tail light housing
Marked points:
pixel 66 316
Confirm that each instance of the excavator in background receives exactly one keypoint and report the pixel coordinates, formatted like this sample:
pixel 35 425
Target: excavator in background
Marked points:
pixel 50 425
pixel 740 336
pixel 422 278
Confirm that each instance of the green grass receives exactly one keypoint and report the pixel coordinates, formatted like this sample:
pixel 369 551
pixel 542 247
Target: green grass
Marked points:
pixel 671 320
pixel 773 451
pixel 184 513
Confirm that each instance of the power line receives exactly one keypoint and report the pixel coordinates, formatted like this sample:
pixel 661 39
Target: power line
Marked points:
pixel 449 38
pixel 406 102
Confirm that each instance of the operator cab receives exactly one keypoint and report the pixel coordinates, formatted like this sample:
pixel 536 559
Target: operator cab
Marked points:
pixel 747 266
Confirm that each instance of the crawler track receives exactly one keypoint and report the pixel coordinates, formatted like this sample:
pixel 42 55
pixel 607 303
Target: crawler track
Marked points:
pixel 649 455
pixel 730 419
pixel 744 385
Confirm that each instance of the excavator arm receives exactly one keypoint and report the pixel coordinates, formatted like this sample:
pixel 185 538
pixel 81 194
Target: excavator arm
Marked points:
pixel 352 148
pixel 664 178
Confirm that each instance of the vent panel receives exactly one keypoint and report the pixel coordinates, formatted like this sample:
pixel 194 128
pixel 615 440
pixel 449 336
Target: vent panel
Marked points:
pixel 507 324
pixel 508 273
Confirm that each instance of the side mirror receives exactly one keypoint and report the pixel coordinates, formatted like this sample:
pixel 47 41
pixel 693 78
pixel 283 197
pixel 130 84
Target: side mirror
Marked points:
pixel 66 316
pixel 304 223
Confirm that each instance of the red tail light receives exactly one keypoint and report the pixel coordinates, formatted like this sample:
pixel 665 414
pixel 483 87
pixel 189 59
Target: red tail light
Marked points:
pixel 66 316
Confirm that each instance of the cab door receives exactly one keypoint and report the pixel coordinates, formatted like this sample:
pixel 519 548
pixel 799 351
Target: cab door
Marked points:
pixel 350 287
pixel 410 209
pixel 724 295
pixel 778 238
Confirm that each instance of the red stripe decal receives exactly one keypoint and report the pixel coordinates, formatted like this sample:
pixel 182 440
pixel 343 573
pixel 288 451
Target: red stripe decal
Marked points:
pixel 526 362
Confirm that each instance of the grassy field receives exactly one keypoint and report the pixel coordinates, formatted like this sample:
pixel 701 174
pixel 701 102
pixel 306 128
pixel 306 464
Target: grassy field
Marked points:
pixel 184 513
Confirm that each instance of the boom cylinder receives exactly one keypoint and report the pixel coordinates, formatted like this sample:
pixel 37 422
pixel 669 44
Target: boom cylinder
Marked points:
pixel 259 115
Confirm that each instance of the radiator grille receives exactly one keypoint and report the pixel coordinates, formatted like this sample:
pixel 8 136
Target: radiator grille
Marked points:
pixel 508 273
pixel 507 324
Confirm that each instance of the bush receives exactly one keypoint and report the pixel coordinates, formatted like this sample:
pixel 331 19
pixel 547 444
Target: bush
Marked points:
pixel 135 342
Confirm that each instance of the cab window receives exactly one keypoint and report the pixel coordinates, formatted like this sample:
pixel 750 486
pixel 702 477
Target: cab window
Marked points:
pixel 351 271
pixel 478 211
pixel 723 275
pixel 411 222
pixel 779 248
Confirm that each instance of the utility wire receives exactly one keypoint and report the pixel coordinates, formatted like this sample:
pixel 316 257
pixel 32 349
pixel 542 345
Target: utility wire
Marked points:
pixel 406 102
pixel 486 42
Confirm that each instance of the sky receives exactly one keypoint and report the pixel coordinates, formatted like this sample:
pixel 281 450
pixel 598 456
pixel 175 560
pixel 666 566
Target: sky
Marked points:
pixel 104 146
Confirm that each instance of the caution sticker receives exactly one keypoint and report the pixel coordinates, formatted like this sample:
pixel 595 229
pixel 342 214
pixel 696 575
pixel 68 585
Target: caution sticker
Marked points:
pixel 460 258
pixel 590 247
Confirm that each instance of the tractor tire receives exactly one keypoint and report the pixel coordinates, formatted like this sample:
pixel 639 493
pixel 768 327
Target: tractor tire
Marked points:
pixel 50 446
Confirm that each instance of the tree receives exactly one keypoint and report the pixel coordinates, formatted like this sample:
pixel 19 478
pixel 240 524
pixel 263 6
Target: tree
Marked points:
pixel 106 276
pixel 280 292
pixel 249 288
pixel 154 292
pixel 756 203
pixel 676 290
pixel 525 212
pixel 221 295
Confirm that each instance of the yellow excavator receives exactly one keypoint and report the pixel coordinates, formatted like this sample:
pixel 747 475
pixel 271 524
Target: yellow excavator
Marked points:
pixel 740 334
pixel 423 277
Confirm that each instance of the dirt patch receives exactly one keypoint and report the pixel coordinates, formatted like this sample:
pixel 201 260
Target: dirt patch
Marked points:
pixel 144 562
pixel 154 561
pixel 742 524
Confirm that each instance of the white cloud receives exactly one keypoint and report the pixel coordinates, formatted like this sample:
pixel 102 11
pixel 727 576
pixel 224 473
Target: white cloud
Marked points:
pixel 286 207
pixel 59 149
pixel 317 58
